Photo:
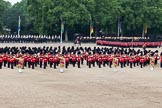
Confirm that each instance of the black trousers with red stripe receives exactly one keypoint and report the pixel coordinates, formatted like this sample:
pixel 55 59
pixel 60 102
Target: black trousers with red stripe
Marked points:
pixel 131 64
pixel 9 64
pixel 66 64
pixel 12 65
pixel 121 64
pixel 78 64
pixel 89 64
pixel 5 62
pixel 40 64
pixel 99 64
pixel 45 65
pixel 110 64
pixel 29 63
pixel 1 65
pixel 51 63
pixel 141 64
pixel 33 64
pixel 54 65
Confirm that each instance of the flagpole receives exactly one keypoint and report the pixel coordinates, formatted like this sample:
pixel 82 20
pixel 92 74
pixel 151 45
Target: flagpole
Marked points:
pixel 90 29
pixel 143 33
pixel 61 33
pixel 118 28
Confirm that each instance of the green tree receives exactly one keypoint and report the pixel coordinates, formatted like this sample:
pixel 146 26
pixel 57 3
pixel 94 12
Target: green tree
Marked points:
pixel 4 7
pixel 45 16
pixel 48 15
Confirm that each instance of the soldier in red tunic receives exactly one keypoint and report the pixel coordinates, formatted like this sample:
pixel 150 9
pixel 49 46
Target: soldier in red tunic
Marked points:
pixel 107 57
pixel 12 60
pixel 51 61
pixel 94 59
pixel 67 58
pixel 5 59
pixel 145 61
pixel 104 59
pixel 156 57
pixel 137 60
pixel 29 61
pixel 33 60
pixel 121 60
pixel 131 61
pixel 89 60
pixel 8 61
pixel 78 59
pixel 74 59
pixel 110 61
pixel 82 58
pixel 86 57
pixel 55 61
pixel 15 60
pixel 45 62
pixel 25 60
pixel 36 60
pixel 40 61
pixel 125 60
pixel 134 61
pixel 142 62
pixel 99 60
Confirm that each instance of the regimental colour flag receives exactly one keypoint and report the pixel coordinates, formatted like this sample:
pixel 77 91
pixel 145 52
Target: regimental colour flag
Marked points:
pixel 145 29
pixel 91 28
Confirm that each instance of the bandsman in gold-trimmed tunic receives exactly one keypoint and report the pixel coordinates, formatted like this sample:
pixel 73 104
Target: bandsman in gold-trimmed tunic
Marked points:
pixel 20 64
pixel 115 63
pixel 152 62
pixel 62 63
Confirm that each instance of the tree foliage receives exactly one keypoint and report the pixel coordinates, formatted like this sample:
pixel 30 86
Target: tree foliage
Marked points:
pixel 45 16
pixel 4 7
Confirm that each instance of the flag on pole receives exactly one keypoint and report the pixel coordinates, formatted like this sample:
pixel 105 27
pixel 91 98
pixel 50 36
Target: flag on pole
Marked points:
pixel 120 27
pixel 19 24
pixel 19 21
pixel 91 28
pixel 62 30
pixel 62 27
pixel 145 29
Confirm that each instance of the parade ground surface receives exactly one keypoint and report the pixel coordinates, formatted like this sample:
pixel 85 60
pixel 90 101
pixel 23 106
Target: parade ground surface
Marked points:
pixel 80 88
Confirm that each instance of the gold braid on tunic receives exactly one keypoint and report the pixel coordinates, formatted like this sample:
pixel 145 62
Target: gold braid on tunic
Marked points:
pixel 152 61
pixel 115 62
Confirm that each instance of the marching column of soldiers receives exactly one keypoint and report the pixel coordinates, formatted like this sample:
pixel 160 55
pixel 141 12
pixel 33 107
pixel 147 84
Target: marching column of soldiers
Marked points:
pixel 51 57
pixel 29 39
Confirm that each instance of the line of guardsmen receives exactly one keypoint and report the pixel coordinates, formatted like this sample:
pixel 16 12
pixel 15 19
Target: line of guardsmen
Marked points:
pixel 102 57
pixel 29 38
pixel 93 39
